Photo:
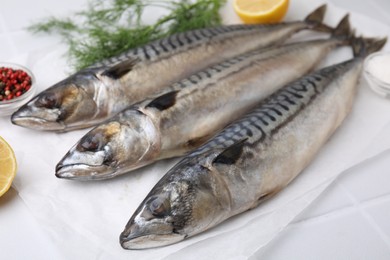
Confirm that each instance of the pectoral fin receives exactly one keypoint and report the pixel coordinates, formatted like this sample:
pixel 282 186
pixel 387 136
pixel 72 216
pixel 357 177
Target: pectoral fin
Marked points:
pixel 117 71
pixel 164 101
pixel 231 154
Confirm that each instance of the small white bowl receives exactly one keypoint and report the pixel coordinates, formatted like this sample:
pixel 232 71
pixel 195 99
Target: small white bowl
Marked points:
pixel 7 107
pixel 377 83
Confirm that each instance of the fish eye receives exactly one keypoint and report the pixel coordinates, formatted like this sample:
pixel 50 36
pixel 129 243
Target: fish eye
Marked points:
pixel 92 142
pixel 48 100
pixel 159 206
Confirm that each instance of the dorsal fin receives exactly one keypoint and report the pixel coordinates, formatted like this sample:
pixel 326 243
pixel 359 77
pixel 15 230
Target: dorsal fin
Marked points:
pixel 120 69
pixel 164 101
pixel 231 154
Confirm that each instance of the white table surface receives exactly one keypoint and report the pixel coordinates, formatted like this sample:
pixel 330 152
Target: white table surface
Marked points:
pixel 349 221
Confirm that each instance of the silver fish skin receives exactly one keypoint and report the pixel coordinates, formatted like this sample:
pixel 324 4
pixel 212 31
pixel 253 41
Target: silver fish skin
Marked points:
pixel 93 95
pixel 159 128
pixel 249 161
pixel 194 110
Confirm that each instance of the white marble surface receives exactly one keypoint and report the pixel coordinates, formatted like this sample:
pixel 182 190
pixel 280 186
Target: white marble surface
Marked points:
pixel 349 221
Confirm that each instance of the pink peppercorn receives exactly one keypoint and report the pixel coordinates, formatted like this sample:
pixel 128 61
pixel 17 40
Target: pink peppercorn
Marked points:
pixel 13 83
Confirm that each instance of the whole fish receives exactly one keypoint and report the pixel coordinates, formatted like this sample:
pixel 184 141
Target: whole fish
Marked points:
pixel 250 160
pixel 193 110
pixel 93 95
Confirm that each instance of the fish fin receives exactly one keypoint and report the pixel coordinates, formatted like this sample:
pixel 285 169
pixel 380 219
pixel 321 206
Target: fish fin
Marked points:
pixel 265 196
pixel 120 69
pixel 316 18
pixel 164 101
pixel 365 46
pixel 317 15
pixel 343 31
pixel 231 154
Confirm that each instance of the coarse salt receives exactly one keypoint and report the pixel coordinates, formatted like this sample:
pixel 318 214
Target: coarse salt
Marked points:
pixel 379 67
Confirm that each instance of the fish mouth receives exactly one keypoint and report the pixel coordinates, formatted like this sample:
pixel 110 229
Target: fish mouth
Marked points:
pixel 37 123
pixel 84 172
pixel 145 241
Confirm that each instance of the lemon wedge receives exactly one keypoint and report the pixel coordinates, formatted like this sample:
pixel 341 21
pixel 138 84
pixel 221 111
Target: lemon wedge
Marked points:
pixel 261 11
pixel 8 166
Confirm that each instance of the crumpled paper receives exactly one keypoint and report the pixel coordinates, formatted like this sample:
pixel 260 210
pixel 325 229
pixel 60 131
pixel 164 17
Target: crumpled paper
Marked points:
pixel 84 219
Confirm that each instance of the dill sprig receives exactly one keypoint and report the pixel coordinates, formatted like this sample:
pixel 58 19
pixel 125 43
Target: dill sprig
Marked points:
pixel 108 28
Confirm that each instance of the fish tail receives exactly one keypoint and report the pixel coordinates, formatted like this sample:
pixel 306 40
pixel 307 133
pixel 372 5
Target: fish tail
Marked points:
pixel 315 19
pixel 343 31
pixel 365 46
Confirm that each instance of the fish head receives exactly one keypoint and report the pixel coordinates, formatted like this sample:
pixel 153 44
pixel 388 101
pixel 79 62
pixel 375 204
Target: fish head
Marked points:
pixel 152 225
pixel 183 203
pixel 112 148
pixel 63 106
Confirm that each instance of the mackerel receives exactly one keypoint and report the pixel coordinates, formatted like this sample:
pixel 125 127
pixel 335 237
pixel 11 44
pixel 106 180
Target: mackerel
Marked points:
pixel 193 110
pixel 93 95
pixel 250 160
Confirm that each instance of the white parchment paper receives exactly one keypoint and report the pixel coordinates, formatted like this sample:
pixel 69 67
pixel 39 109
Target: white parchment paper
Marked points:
pixel 84 219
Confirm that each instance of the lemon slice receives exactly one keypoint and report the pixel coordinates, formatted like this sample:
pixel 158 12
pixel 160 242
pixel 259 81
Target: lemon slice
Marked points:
pixel 261 11
pixel 7 166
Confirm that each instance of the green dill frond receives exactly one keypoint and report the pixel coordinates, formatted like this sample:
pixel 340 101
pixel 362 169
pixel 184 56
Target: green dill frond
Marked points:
pixel 54 25
pixel 187 16
pixel 108 28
